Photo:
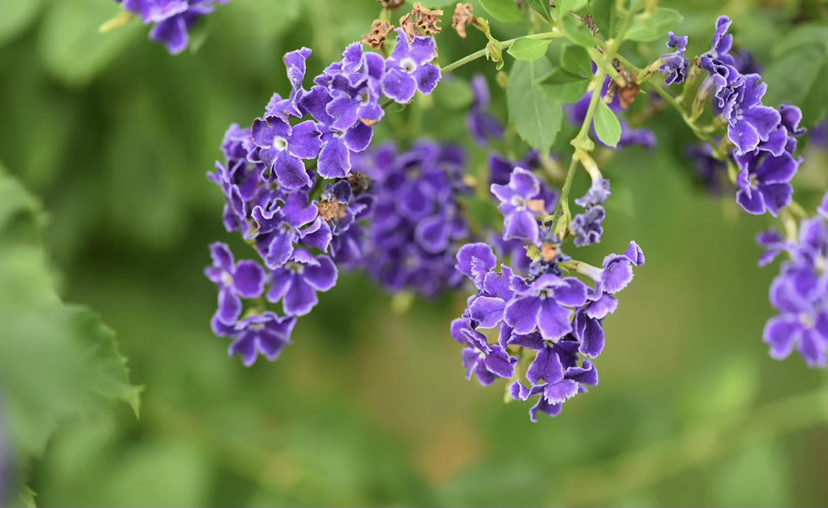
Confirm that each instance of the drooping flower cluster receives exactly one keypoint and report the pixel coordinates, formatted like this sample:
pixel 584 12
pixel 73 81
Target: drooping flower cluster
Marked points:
pixel 272 194
pixel 557 319
pixel 589 225
pixel 764 138
pixel 171 20
pixel 800 292
pixel 676 65
pixel 417 224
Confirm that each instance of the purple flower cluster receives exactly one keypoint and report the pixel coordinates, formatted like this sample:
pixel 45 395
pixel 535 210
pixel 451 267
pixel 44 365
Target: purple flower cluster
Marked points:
pixel 676 65
pixel 303 219
pixel 557 319
pixel 172 20
pixel 800 291
pixel 417 223
pixel 589 225
pixel 764 137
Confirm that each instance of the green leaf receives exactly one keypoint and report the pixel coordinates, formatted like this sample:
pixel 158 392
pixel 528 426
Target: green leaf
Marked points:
pixel 542 8
pixel 801 36
pixel 564 7
pixel 607 126
pixel 529 49
pixel 576 60
pixel 73 353
pixel 16 16
pixel 650 26
pixel 534 112
pixel 71 46
pixel 578 33
pixel 566 88
pixel 603 13
pixel 793 76
pixel 506 11
pixel 756 475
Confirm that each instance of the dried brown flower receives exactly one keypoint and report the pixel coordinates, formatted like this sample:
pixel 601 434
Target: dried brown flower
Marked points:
pixel 378 34
pixel 409 27
pixel 332 210
pixel 427 20
pixel 463 18
pixel 549 251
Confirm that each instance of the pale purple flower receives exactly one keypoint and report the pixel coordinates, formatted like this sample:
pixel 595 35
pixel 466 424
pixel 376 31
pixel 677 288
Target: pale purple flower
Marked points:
pixel 409 69
pixel 296 283
pixel 263 334
pixel 245 279
pixel 282 148
pixel 675 65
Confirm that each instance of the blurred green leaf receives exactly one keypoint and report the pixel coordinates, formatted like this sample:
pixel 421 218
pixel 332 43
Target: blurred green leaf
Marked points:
pixel 650 26
pixel 755 476
pixel 71 46
pixel 578 33
pixel 607 125
pixel 802 35
pixel 532 108
pixel 506 11
pixel 529 49
pixel 795 78
pixel 455 94
pixel 566 88
pixel 564 7
pixel 603 13
pixel 16 16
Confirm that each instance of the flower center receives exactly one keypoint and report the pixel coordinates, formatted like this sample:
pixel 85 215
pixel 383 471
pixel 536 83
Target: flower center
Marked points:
pixel 295 268
pixel 257 327
pixel 280 143
pixel 226 279
pixel 408 65
pixel 807 320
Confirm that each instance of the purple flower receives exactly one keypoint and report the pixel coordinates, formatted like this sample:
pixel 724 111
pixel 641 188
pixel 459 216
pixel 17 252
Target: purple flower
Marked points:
pixel 296 283
pixel 799 295
pixel 712 172
pixel 749 120
pixel 481 124
pixel 554 381
pixel 282 146
pixel 588 226
pixel 774 245
pixel 617 271
pixel 675 65
pixel 490 365
pixel 262 334
pixel 173 19
pixel 279 229
pixel 245 279
pixel 543 305
pixel 355 88
pixel 409 68
pixel 519 203
pixel 764 182
pixel 296 65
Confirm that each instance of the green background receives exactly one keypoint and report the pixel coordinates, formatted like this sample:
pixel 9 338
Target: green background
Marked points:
pixel 370 404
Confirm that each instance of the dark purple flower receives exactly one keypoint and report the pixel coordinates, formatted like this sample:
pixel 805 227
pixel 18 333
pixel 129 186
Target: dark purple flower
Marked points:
pixel 355 88
pixel 482 125
pixel 588 226
pixel 296 65
pixel 750 122
pixel 282 146
pixel 773 243
pixel 490 365
pixel 764 182
pixel 262 334
pixel 520 205
pixel 296 283
pixel 675 65
pixel 409 68
pixel 245 279
pixel 617 270
pixel 543 305
pixel 173 19
pixel 279 229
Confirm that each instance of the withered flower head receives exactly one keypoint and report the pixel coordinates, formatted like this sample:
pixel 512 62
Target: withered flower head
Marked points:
pixel 463 18
pixel 332 210
pixel 378 34
pixel 409 27
pixel 428 21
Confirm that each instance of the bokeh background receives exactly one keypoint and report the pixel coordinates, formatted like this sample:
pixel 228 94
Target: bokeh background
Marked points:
pixel 370 404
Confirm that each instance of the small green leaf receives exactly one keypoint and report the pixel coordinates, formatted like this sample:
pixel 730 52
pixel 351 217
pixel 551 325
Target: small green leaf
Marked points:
pixel 607 125
pixel 564 7
pixel 532 109
pixel 603 13
pixel 455 94
pixel 506 11
pixel 650 26
pixel 576 60
pixel 542 8
pixel 529 49
pixel 578 33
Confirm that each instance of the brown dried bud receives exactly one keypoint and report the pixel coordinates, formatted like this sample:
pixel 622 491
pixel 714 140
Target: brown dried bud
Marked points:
pixel 376 37
pixel 332 210
pixel 409 27
pixel 549 251
pixel 629 93
pixel 428 21
pixel 463 18
pixel 391 4
pixel 360 182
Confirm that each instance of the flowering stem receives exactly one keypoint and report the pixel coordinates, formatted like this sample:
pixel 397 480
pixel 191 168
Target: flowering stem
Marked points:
pixel 554 34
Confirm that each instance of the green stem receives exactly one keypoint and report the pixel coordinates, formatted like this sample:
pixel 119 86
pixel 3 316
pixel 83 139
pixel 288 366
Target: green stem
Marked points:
pixel 554 34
